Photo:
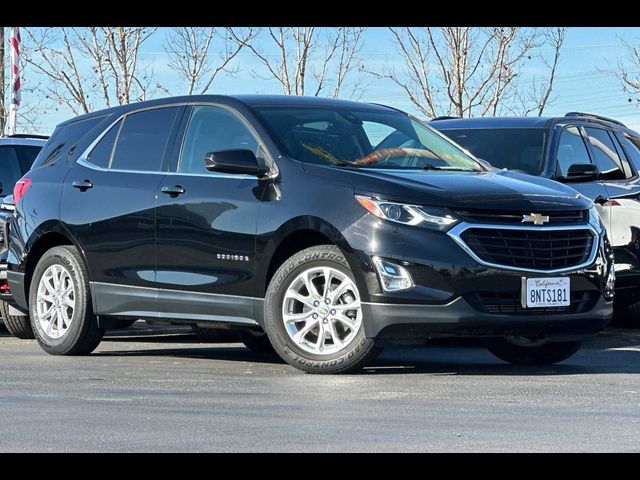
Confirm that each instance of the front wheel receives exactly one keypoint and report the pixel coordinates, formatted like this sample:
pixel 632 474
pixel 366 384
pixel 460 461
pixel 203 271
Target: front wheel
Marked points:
pixel 60 304
pixel 313 315
pixel 525 351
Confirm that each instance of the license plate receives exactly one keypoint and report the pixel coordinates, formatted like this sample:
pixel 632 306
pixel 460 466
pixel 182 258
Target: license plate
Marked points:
pixel 546 292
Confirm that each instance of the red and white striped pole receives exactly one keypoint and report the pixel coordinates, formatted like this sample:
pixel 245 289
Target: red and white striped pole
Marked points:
pixel 14 45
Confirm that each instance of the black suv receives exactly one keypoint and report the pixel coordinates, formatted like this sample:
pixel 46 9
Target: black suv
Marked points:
pixel 324 228
pixel 17 154
pixel 597 156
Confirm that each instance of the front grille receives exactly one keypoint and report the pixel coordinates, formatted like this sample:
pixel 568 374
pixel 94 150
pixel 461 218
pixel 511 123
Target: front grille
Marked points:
pixel 499 303
pixel 514 217
pixel 542 249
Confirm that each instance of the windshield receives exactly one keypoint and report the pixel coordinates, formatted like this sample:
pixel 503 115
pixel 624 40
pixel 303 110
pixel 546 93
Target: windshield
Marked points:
pixel 510 148
pixel 363 138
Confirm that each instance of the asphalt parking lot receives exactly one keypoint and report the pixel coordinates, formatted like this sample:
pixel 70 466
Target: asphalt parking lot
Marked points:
pixel 150 390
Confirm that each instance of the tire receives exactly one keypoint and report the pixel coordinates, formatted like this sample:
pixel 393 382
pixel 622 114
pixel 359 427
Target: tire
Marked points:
pixel 354 352
pixel 214 335
pixel 632 319
pixel 518 353
pixel 626 312
pixel 82 334
pixel 18 326
pixel 257 342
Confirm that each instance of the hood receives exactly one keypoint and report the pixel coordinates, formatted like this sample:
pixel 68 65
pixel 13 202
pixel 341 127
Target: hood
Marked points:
pixel 498 189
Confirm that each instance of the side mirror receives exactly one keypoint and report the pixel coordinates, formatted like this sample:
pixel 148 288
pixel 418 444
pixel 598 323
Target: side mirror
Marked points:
pixel 234 161
pixel 580 172
pixel 1 188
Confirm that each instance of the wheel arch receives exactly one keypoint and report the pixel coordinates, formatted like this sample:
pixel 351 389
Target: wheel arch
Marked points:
pixel 296 235
pixel 45 237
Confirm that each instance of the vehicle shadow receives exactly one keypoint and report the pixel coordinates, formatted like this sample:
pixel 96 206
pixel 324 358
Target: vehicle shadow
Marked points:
pixel 224 352
pixel 611 352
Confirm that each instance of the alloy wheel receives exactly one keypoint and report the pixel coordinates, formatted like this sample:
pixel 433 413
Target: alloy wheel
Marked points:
pixel 321 310
pixel 55 302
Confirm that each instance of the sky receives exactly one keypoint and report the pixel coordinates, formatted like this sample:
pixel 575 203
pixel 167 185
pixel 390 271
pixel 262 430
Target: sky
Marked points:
pixel 586 78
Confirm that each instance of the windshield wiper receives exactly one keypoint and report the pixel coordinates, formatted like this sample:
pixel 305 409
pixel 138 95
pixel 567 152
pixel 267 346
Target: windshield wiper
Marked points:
pixel 448 169
pixel 343 164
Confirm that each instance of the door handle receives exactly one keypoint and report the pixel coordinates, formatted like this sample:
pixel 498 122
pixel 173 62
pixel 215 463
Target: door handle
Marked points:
pixel 82 185
pixel 173 191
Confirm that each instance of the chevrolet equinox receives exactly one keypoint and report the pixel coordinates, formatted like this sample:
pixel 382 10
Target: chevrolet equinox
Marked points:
pixel 324 229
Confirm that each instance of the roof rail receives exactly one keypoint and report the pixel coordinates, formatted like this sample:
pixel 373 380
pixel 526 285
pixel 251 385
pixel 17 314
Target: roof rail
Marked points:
pixel 444 117
pixel 592 115
pixel 28 135
pixel 386 106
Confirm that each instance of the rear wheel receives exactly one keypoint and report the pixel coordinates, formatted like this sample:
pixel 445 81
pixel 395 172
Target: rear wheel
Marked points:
pixel 60 304
pixel 18 325
pixel 256 341
pixel 527 351
pixel 313 315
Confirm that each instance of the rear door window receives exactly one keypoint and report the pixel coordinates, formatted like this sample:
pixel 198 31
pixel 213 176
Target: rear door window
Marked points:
pixel 571 150
pixel 631 148
pixel 10 169
pixel 143 139
pixel 605 154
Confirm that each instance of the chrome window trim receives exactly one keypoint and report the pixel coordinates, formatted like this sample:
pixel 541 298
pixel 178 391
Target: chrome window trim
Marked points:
pixel 83 158
pixel 456 232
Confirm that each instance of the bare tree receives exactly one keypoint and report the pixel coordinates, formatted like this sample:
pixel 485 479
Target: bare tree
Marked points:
pixel 628 73
pixel 556 40
pixel 341 58
pixel 330 58
pixel 463 71
pixel 538 96
pixel 189 52
pixel 83 65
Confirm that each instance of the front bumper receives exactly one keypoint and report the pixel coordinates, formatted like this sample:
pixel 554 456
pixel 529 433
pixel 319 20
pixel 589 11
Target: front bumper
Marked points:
pixel 448 283
pixel 399 322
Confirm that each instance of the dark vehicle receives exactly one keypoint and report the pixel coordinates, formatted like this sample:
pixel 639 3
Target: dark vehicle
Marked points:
pixel 17 153
pixel 597 156
pixel 323 228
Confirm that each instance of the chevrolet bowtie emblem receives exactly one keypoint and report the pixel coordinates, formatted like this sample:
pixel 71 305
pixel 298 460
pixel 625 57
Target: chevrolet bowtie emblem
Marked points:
pixel 535 218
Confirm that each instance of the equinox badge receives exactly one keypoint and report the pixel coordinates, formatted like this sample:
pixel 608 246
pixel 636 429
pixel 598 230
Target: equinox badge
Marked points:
pixel 535 218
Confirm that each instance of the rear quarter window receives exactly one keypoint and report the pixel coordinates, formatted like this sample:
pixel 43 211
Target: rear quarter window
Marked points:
pixel 64 137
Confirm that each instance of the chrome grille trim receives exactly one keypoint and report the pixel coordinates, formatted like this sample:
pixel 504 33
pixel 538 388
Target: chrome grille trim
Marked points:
pixel 456 232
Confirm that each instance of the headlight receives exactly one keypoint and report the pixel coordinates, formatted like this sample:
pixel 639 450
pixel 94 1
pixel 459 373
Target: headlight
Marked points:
pixel 431 217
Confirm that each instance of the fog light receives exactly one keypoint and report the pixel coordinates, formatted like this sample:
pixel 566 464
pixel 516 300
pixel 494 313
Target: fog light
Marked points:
pixel 392 277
